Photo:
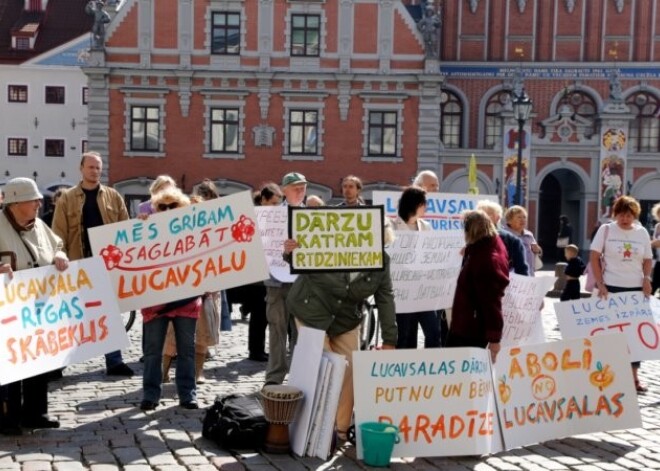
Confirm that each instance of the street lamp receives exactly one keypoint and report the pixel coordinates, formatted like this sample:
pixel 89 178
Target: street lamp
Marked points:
pixel 522 107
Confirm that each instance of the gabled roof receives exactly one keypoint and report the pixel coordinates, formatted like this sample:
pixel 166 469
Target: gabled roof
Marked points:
pixel 62 21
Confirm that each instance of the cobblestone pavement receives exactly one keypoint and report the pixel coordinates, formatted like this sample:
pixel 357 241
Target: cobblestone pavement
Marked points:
pixel 103 429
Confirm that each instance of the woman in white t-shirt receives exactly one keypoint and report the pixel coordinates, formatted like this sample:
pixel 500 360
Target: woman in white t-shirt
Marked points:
pixel 625 246
pixel 655 243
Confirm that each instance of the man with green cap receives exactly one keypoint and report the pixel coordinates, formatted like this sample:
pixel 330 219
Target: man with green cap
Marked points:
pixel 294 187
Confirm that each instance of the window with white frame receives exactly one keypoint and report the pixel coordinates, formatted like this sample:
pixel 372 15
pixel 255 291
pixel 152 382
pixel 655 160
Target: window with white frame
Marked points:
pixel 145 128
pixel 224 130
pixel 383 130
pixel 493 118
pixel 644 133
pixel 17 146
pixel 303 132
pixel 305 35
pixel 226 33
pixel 451 112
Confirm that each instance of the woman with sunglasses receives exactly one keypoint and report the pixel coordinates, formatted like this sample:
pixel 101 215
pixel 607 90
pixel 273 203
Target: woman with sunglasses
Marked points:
pixel 183 315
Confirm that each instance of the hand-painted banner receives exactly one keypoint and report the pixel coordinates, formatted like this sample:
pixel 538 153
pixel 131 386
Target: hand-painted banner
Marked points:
pixel 182 252
pixel 557 389
pixel 521 308
pixel 424 268
pixel 628 312
pixel 440 399
pixel 272 224
pixel 443 210
pixel 51 319
pixel 337 238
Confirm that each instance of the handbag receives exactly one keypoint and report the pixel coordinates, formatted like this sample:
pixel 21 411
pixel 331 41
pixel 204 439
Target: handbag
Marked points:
pixel 538 262
pixel 562 242
pixel 590 281
pixel 210 315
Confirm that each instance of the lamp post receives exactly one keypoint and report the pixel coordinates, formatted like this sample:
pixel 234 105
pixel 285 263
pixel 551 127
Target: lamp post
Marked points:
pixel 522 107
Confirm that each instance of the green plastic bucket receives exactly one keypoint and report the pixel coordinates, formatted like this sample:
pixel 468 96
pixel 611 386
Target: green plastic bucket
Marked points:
pixel 378 441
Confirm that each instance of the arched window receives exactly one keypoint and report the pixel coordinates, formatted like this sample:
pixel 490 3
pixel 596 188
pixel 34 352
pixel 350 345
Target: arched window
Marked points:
pixel 581 104
pixel 644 134
pixel 494 125
pixel 451 128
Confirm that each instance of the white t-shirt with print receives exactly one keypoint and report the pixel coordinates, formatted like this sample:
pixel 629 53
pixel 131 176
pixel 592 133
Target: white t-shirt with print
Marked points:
pixel 624 254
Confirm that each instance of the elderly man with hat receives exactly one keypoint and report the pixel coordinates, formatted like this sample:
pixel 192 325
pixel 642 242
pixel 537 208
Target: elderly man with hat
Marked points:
pixel 33 244
pixel 294 187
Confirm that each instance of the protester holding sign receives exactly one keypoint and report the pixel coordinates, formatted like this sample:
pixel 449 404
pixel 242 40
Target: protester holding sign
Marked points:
pixel 477 310
pixel 29 243
pixel 183 315
pixel 516 224
pixel 621 257
pixel 330 301
pixel 294 187
pixel 412 206
pixel 514 246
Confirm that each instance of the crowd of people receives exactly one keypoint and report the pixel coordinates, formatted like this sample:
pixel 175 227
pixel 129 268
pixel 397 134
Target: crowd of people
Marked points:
pixel 330 301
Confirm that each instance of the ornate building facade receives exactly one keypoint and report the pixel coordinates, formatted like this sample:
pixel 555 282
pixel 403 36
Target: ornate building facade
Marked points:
pixel 244 91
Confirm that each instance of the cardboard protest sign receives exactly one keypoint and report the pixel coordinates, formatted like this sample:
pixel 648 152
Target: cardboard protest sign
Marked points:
pixel 443 210
pixel 570 387
pixel 424 267
pixel 337 238
pixel 521 309
pixel 272 224
pixel 628 312
pixel 51 319
pixel 440 399
pixel 183 252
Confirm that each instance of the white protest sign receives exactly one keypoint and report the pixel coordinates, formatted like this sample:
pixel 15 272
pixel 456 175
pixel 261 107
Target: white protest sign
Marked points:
pixel 424 267
pixel 272 223
pixel 51 319
pixel 521 309
pixel 557 389
pixel 337 238
pixel 443 210
pixel 628 312
pixel 440 399
pixel 183 252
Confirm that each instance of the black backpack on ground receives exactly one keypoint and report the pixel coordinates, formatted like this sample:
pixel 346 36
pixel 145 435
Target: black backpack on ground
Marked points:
pixel 236 422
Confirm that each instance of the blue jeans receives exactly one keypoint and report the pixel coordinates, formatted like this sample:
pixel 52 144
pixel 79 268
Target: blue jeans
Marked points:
pixel 113 359
pixel 154 339
pixel 225 313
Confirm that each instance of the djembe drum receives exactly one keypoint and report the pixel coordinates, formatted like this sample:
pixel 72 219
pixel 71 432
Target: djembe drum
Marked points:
pixel 280 404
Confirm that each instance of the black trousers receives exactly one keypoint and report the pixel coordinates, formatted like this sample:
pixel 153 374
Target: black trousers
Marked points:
pixel 255 304
pixel 25 400
pixel 571 290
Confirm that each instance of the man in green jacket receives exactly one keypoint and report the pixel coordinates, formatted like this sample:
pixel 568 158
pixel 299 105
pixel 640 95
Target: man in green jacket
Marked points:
pixel 330 302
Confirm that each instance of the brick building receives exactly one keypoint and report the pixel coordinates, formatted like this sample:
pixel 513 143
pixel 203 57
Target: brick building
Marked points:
pixel 244 91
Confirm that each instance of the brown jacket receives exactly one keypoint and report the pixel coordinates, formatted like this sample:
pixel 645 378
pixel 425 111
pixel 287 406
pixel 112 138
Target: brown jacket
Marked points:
pixel 67 220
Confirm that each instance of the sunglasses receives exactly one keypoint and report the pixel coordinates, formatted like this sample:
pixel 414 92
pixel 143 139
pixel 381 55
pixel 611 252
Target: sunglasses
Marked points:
pixel 165 207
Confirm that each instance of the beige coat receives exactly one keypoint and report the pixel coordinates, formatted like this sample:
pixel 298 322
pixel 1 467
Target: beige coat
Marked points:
pixel 67 220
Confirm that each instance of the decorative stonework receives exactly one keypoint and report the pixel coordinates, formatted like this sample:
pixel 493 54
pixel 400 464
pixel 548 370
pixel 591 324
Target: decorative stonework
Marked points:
pixel 344 99
pixel 570 5
pixel 263 135
pixel 521 5
pixel 474 4
pixel 619 4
